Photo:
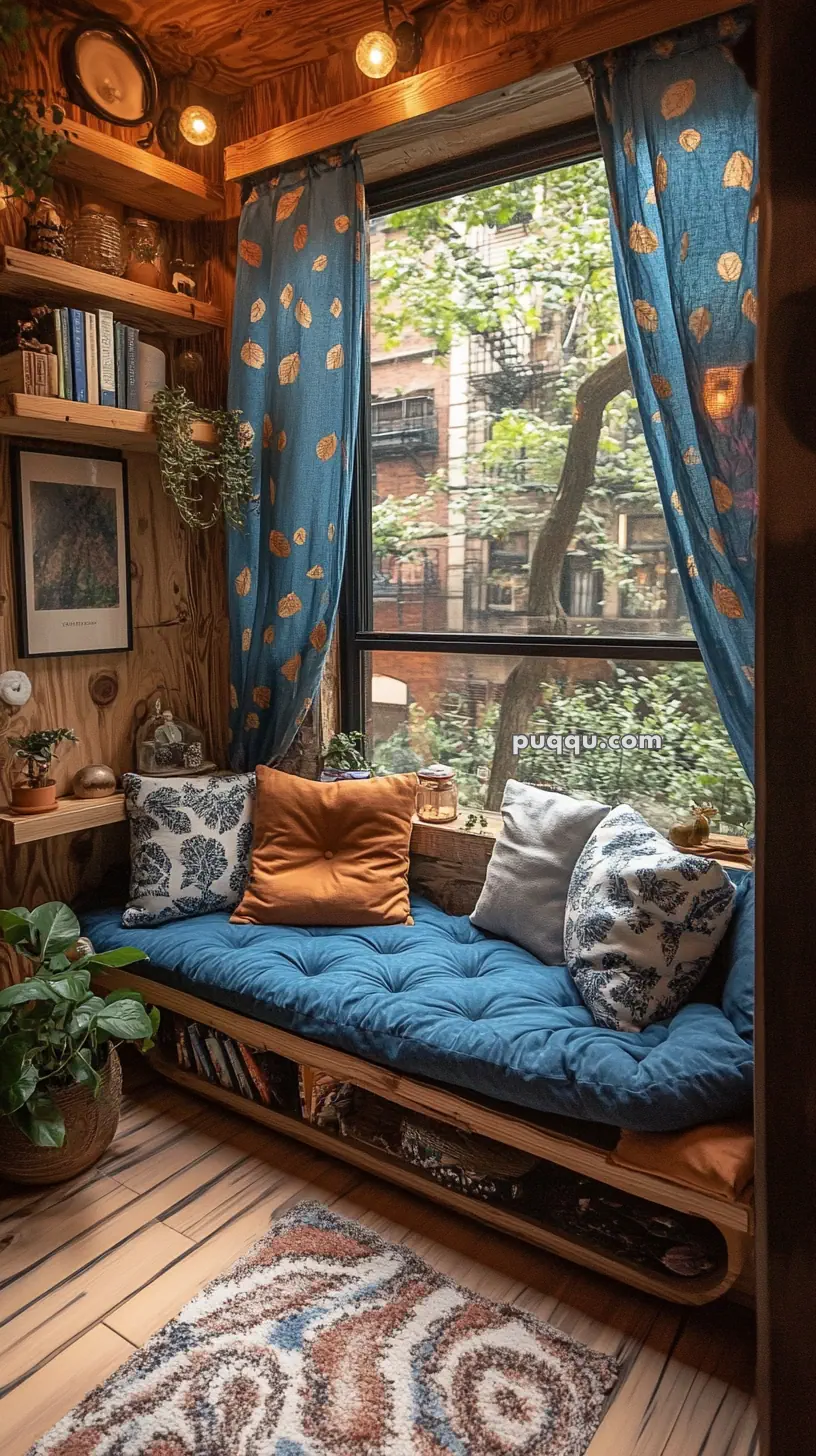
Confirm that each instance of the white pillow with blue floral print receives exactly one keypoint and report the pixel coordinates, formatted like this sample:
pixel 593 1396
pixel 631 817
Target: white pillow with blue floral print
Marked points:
pixel 643 920
pixel 190 841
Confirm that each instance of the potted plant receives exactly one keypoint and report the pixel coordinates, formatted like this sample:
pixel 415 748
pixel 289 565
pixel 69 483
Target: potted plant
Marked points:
pixel 60 1078
pixel 37 751
pixel 345 759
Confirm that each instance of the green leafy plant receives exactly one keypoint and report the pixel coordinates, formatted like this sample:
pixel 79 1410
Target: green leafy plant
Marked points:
pixel 186 466
pixel 27 150
pixel 38 750
pixel 54 1032
pixel 346 754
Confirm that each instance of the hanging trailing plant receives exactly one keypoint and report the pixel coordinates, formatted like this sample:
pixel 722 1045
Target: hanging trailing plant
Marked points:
pixel 186 466
pixel 27 150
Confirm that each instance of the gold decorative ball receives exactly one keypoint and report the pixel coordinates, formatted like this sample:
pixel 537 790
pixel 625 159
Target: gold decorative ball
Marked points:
pixel 94 781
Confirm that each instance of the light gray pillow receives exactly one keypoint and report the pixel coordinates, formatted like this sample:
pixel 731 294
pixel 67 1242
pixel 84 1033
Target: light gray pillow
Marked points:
pixel 525 892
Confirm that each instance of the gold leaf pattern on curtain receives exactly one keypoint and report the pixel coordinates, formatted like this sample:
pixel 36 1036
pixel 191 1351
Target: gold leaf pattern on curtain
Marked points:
pixel 690 139
pixel 723 497
pixel 291 668
pixel 359 193
pixel 233 697
pixel 691 567
pixel 661 386
pixel 289 368
pixel 677 99
pixel 684 247
pixel 335 359
pixel 749 305
pixel 279 544
pixel 729 267
pixel 246 639
pixel 661 173
pixel 629 146
pixel 252 721
pixel 318 636
pixel 753 214
pixel 268 431
pixel 341 223
pixel 243 582
pixel 700 323
pixel 273 490
pixel 739 171
pixel 301 238
pixel 663 47
pixel 261 697
pixel 299 536
pixel 749 675
pixel 289 605
pixel 257 311
pixel 336 308
pixel 691 456
pixel 287 203
pixel 303 314
pixel 676 503
pixel 646 315
pixel 642 239
pixel 269 636
pixel 726 601
pixel 287 294
pixel 252 253
pixel 253 355
pixel 716 540
pixel 326 447
pixel 281 442
pixel 315 573
pixel 320 264
pixel 650 198
pixel 330 532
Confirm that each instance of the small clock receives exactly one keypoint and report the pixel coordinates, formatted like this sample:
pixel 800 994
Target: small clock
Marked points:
pixel 106 71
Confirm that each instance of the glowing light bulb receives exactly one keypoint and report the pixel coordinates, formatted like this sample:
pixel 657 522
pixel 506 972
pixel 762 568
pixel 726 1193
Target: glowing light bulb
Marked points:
pixel 722 388
pixel 197 125
pixel 376 54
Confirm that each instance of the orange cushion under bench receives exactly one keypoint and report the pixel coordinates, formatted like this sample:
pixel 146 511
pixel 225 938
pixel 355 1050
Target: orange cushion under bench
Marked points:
pixel 329 854
pixel 717 1157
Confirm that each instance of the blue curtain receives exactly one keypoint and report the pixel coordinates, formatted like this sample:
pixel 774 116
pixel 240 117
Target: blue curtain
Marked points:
pixel 295 375
pixel 677 122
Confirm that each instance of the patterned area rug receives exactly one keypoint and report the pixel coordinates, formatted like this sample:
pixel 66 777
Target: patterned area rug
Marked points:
pixel 324 1340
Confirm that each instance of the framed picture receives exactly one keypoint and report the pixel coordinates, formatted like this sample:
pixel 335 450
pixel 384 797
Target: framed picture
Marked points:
pixel 73 559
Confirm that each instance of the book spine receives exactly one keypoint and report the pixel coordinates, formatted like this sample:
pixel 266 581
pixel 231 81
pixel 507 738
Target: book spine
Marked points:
pixel 120 353
pixel 239 1076
pixel 183 1056
pixel 132 363
pixel 78 355
pixel 91 358
pixel 59 354
pixel 53 375
pixel 256 1072
pixel 67 366
pixel 107 361
pixel 201 1056
pixel 219 1061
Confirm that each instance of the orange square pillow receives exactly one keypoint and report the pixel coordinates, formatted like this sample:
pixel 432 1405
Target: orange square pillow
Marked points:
pixel 329 854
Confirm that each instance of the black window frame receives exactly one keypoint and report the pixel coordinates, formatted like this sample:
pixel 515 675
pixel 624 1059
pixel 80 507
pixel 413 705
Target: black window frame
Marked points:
pixel 545 151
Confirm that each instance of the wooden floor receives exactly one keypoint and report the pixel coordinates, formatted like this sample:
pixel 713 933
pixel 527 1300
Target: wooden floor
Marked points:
pixel 90 1269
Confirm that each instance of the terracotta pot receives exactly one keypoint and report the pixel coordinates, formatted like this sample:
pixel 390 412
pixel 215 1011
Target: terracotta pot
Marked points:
pixel 25 800
pixel 90 1125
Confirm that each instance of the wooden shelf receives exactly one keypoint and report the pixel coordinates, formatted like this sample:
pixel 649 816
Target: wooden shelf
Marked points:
pixel 124 173
pixel 70 817
pixel 87 424
pixel 50 280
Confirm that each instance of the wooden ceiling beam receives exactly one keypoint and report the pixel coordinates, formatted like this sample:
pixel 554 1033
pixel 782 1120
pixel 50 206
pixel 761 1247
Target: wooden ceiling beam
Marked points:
pixel 502 65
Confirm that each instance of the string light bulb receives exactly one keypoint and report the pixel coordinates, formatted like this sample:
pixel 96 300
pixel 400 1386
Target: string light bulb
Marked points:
pixel 197 125
pixel 376 54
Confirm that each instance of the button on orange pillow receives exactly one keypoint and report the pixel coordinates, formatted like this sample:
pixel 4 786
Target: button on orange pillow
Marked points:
pixel 329 854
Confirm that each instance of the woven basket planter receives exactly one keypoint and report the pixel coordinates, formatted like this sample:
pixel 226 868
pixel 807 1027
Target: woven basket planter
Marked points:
pixel 90 1125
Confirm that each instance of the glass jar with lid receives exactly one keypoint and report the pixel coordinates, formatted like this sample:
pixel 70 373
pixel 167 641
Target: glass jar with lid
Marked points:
pixel 437 799
pixel 167 745
pixel 94 240
pixel 146 253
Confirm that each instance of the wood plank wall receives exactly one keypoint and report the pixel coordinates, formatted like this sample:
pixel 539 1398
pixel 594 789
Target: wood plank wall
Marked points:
pixel 178 584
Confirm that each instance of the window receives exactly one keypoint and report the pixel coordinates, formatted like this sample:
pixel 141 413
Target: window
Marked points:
pixel 510 576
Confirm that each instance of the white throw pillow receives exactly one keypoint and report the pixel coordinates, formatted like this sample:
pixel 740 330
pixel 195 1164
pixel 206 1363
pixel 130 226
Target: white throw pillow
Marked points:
pixel 643 921
pixel 190 840
pixel 525 892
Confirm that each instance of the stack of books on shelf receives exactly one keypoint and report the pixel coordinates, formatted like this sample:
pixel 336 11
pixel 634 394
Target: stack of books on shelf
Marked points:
pixel 259 1076
pixel 77 354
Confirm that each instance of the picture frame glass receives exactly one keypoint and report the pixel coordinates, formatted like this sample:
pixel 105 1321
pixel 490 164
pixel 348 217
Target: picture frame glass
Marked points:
pixel 73 558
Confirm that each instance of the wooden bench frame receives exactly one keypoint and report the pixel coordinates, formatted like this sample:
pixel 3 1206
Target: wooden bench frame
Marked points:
pixel 733 1219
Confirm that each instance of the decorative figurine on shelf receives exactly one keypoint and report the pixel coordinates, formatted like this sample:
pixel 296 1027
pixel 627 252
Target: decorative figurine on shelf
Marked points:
pixel 37 751
pixel 45 229
pixel 693 833
pixel 184 277
pixel 166 745
pixel 94 781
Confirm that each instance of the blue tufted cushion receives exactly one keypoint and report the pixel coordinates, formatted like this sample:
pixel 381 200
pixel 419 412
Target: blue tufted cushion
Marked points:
pixel 443 1000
